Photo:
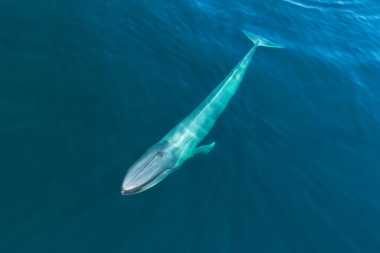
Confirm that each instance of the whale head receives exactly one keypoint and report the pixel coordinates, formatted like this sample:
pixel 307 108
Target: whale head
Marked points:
pixel 152 167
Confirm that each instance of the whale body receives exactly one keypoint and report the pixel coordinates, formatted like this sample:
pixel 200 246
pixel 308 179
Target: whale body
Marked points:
pixel 181 142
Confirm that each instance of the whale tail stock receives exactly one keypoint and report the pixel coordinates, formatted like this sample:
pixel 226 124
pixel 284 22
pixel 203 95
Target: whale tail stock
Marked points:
pixel 260 40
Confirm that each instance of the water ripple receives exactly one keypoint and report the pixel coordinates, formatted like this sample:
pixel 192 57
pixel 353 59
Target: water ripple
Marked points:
pixel 87 87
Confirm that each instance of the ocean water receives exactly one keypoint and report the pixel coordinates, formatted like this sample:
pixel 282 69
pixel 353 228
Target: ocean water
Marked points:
pixel 87 86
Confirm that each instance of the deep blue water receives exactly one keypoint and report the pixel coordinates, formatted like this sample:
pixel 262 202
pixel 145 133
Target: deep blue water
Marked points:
pixel 87 86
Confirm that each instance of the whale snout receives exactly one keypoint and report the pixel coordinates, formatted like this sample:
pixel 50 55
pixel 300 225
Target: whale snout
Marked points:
pixel 130 191
pixel 138 177
pixel 149 170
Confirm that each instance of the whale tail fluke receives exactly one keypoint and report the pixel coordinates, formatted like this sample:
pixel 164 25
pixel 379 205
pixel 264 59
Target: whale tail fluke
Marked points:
pixel 260 40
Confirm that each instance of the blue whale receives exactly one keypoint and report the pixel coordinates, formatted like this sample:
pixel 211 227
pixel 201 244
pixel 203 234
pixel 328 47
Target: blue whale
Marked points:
pixel 167 155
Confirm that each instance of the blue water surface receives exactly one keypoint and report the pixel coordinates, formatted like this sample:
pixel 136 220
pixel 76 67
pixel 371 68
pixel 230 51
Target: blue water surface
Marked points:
pixel 87 86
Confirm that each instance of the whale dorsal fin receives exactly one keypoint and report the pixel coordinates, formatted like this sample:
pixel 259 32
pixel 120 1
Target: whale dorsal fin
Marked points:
pixel 203 149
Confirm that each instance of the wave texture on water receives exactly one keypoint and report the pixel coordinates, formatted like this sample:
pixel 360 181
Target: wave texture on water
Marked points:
pixel 86 87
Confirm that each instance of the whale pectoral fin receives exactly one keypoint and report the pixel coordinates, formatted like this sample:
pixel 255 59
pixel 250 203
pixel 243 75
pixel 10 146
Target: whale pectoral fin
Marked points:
pixel 203 149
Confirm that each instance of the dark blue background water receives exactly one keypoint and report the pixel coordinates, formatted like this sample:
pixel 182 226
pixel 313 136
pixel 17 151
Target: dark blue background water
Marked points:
pixel 87 86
